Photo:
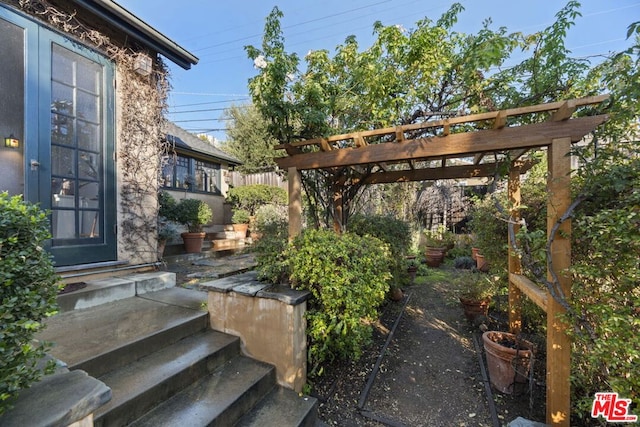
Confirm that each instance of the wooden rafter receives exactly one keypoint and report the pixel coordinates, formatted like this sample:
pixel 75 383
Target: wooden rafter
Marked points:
pixel 509 138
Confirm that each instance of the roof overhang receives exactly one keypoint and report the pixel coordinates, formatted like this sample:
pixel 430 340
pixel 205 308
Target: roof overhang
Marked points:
pixel 139 30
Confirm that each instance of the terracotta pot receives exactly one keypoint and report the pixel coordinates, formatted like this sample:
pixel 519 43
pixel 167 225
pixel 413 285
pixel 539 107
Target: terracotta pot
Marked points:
pixel 508 360
pixel 434 256
pixel 481 263
pixel 474 252
pixel 474 308
pixel 241 230
pixel 192 242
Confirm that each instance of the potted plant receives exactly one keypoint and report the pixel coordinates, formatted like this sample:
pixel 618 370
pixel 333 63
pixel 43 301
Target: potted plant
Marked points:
pixel 508 359
pixel 412 266
pixel 475 292
pixel 193 214
pixel 167 231
pixel 240 220
pixel 436 244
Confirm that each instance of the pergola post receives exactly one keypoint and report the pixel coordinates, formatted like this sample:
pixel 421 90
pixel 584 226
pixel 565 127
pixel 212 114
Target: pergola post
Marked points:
pixel 515 294
pixel 558 342
pixel 337 208
pixel 295 202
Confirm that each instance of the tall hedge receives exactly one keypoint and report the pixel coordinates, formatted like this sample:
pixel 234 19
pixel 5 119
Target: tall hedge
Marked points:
pixel 28 289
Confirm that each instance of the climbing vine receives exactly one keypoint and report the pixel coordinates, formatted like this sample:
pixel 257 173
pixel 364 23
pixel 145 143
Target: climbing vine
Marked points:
pixel 139 129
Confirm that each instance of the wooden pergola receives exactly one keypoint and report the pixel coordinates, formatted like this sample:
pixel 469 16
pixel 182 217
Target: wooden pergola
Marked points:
pixel 461 148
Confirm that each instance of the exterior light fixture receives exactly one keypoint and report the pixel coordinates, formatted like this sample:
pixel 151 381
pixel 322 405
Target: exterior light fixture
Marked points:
pixel 142 64
pixel 11 142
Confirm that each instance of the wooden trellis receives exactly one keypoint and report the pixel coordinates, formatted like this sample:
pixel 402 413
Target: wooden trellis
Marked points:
pixel 465 147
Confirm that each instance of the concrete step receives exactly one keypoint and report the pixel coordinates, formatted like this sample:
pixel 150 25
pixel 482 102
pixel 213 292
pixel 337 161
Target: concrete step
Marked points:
pixel 282 407
pixel 101 291
pixel 141 385
pixel 111 335
pixel 219 399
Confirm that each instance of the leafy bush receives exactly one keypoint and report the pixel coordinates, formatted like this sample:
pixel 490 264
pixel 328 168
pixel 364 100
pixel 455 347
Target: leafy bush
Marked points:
pixel 392 231
pixel 240 216
pixel 250 197
pixel 268 214
pixel 464 263
pixel 606 287
pixel 192 213
pixel 28 290
pixel 270 252
pixel 348 277
pixel 166 205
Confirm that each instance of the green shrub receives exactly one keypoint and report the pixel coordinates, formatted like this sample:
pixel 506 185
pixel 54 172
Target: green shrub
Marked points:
pixel 251 197
pixel 270 252
pixel 268 214
pixel 392 231
pixel 348 277
pixel 28 290
pixel 240 216
pixel 167 206
pixel 193 213
pixel 606 283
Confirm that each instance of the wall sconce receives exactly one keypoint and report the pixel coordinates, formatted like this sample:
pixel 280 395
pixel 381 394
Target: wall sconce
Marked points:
pixel 142 64
pixel 11 142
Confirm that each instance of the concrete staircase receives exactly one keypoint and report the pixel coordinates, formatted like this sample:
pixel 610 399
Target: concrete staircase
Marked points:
pixel 164 364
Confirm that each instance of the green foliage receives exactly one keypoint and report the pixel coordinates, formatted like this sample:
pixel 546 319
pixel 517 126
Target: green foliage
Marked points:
pixel 192 213
pixel 249 139
pixel 606 274
pixel 268 214
pixel 28 290
pixel 167 205
pixel 240 216
pixel 251 197
pixel 348 277
pixel 476 286
pixel 464 263
pixel 270 251
pixel 394 232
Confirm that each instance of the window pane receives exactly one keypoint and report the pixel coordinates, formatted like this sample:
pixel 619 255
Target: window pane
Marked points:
pixel 89 76
pixel 88 136
pixel 61 129
pixel 88 165
pixel 62 66
pixel 182 172
pixel 62 161
pixel 87 107
pixel 61 99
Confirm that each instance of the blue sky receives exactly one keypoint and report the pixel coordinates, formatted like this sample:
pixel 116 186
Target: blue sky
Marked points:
pixel 216 32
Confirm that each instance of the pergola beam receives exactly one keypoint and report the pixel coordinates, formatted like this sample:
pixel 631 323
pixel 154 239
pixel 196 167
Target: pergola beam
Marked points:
pixel 510 138
pixel 449 172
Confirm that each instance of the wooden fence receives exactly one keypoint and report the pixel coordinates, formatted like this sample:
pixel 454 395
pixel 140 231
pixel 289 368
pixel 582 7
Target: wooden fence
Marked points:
pixel 237 179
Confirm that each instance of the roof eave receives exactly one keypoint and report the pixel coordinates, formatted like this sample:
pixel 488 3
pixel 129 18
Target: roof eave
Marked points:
pixel 133 26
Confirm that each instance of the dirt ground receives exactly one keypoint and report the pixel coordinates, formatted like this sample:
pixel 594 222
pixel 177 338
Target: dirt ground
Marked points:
pixel 429 374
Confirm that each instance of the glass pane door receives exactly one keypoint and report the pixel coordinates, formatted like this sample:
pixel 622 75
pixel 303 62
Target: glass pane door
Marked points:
pixel 77 175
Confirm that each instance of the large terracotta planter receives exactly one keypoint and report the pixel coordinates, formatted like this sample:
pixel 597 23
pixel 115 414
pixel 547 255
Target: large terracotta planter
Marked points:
pixel 192 242
pixel 508 360
pixel 474 308
pixel 434 256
